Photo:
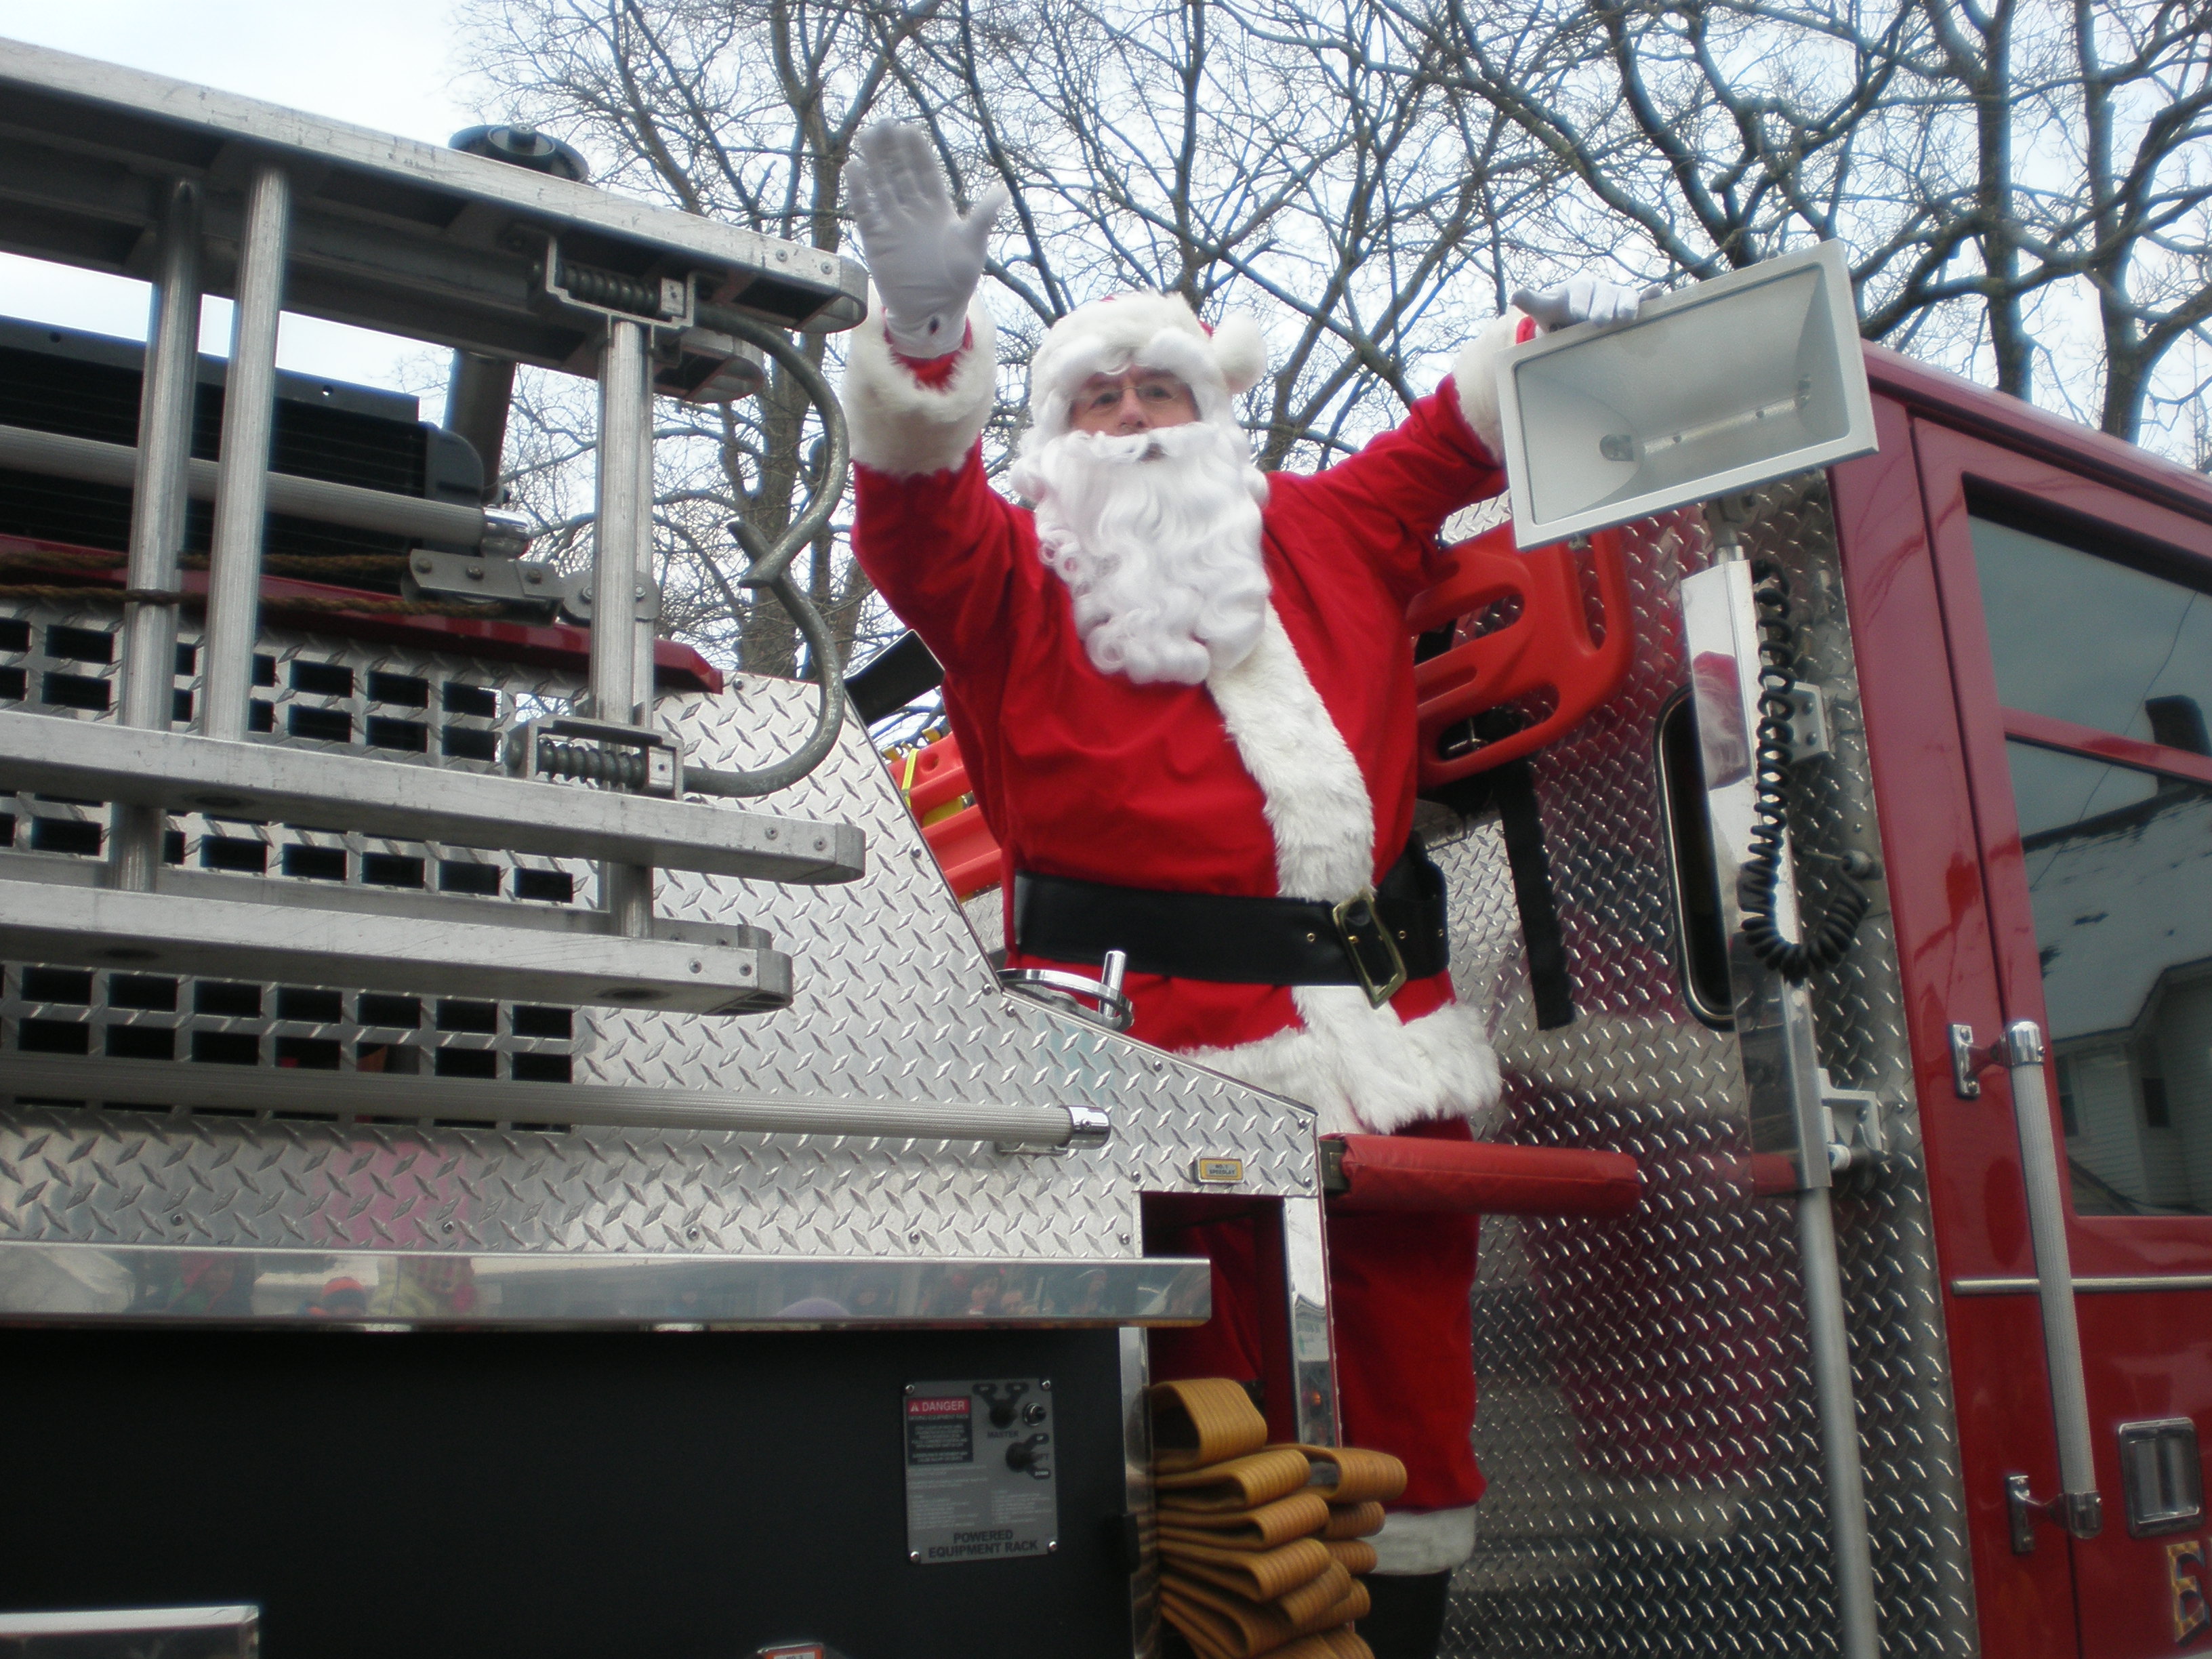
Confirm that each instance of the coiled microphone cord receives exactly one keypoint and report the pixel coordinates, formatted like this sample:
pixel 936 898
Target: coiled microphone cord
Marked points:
pixel 1828 931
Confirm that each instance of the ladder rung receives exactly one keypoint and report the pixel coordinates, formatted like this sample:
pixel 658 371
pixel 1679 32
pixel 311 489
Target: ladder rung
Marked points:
pixel 92 760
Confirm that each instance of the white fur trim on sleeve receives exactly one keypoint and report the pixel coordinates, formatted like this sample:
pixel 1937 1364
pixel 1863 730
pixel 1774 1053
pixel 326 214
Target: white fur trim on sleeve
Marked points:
pixel 904 427
pixel 1474 377
pixel 1420 1541
pixel 1365 1071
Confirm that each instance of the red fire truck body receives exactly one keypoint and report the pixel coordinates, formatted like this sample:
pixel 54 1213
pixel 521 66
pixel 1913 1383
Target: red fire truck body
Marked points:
pixel 1968 950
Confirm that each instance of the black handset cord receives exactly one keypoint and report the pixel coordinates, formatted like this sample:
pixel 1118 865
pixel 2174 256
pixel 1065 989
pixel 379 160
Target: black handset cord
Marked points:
pixel 1828 934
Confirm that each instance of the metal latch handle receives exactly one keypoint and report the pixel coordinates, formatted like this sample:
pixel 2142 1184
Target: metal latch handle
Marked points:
pixel 2077 1508
pixel 1107 1004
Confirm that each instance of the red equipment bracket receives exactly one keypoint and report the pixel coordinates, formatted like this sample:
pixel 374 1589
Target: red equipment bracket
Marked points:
pixel 1551 646
pixel 1476 1177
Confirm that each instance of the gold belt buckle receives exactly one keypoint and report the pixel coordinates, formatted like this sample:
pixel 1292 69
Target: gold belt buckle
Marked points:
pixel 1368 943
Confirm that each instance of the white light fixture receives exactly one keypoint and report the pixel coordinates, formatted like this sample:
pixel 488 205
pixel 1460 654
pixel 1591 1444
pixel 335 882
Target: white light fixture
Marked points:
pixel 1729 384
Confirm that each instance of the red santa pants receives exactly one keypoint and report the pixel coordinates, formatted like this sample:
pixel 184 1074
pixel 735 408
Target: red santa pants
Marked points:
pixel 1399 1287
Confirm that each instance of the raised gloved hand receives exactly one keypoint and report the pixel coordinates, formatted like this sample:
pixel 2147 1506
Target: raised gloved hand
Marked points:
pixel 926 259
pixel 1581 300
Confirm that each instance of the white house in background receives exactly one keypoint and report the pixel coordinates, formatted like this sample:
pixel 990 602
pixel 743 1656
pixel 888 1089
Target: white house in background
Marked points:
pixel 2123 904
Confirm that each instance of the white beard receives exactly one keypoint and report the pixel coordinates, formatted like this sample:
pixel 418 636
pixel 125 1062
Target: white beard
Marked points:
pixel 1157 535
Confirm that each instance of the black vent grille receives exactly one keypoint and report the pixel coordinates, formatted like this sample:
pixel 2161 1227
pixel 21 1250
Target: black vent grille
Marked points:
pixel 50 391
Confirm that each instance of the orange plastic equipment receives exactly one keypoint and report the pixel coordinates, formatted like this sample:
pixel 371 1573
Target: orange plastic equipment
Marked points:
pixel 934 781
pixel 1550 645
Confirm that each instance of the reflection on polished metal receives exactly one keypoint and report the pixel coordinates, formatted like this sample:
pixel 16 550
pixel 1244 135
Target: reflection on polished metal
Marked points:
pixel 2162 1476
pixel 96 761
pixel 1773 1018
pixel 135 1632
pixel 1100 1001
pixel 2077 1508
pixel 1305 1289
pixel 96 1282
pixel 471 1100
pixel 1648 1417
pixel 249 426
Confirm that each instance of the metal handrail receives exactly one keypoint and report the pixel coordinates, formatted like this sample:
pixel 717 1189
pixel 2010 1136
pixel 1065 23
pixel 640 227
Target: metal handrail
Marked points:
pixel 2078 1509
pixel 88 460
pixel 770 567
pixel 425 1097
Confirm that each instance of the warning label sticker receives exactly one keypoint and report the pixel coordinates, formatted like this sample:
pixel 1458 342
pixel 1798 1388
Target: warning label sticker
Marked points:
pixel 981 1470
pixel 938 1431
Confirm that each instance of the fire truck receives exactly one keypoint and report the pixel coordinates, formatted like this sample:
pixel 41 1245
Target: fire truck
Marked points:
pixel 513 1141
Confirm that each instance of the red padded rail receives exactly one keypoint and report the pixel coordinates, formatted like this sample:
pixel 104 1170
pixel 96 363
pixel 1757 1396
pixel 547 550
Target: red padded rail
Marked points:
pixel 1404 1172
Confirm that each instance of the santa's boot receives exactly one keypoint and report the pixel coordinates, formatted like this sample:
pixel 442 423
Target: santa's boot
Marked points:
pixel 1408 1618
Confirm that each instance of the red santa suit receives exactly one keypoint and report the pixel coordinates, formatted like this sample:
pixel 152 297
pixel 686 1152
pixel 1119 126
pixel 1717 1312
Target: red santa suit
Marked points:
pixel 1290 774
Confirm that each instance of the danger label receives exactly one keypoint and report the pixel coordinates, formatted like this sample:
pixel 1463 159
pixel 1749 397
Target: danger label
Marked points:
pixel 939 1430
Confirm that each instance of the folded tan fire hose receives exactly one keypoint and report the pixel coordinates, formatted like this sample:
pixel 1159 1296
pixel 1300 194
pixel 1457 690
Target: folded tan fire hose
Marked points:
pixel 1260 1545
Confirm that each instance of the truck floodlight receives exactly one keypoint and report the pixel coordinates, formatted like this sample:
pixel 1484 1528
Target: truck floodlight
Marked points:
pixel 1723 386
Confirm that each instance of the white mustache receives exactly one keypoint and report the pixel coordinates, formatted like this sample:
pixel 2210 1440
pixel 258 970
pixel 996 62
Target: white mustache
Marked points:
pixel 1133 448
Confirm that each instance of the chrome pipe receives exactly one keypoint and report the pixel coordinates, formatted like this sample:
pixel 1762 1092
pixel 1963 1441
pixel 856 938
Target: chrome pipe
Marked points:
pixel 622 559
pixel 241 505
pixel 622 556
pixel 160 462
pixel 58 455
pixel 1858 1634
pixel 168 1084
pixel 479 395
pixel 157 512
pixel 2079 1508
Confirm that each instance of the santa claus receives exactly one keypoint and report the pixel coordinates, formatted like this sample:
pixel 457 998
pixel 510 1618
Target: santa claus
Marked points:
pixel 1183 689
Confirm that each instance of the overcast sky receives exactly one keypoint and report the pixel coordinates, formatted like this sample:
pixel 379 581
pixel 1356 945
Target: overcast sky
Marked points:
pixel 390 64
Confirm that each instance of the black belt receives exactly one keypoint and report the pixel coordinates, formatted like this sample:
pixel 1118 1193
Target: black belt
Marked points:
pixel 1378 940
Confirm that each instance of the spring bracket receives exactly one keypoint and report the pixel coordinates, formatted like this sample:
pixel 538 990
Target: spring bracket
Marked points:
pixel 634 758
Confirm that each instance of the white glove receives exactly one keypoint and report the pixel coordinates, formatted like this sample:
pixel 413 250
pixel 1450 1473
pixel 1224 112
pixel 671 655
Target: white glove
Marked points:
pixel 1581 300
pixel 926 260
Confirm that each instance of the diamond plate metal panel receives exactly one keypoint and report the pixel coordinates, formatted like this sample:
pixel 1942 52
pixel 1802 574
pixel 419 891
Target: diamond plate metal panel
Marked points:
pixel 1647 1422
pixel 897 1002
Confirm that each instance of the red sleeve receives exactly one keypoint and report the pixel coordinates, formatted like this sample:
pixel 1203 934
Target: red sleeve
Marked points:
pixel 1397 492
pixel 945 549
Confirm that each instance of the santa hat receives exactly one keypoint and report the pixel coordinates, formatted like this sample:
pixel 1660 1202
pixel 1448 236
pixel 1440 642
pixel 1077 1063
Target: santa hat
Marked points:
pixel 1143 329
